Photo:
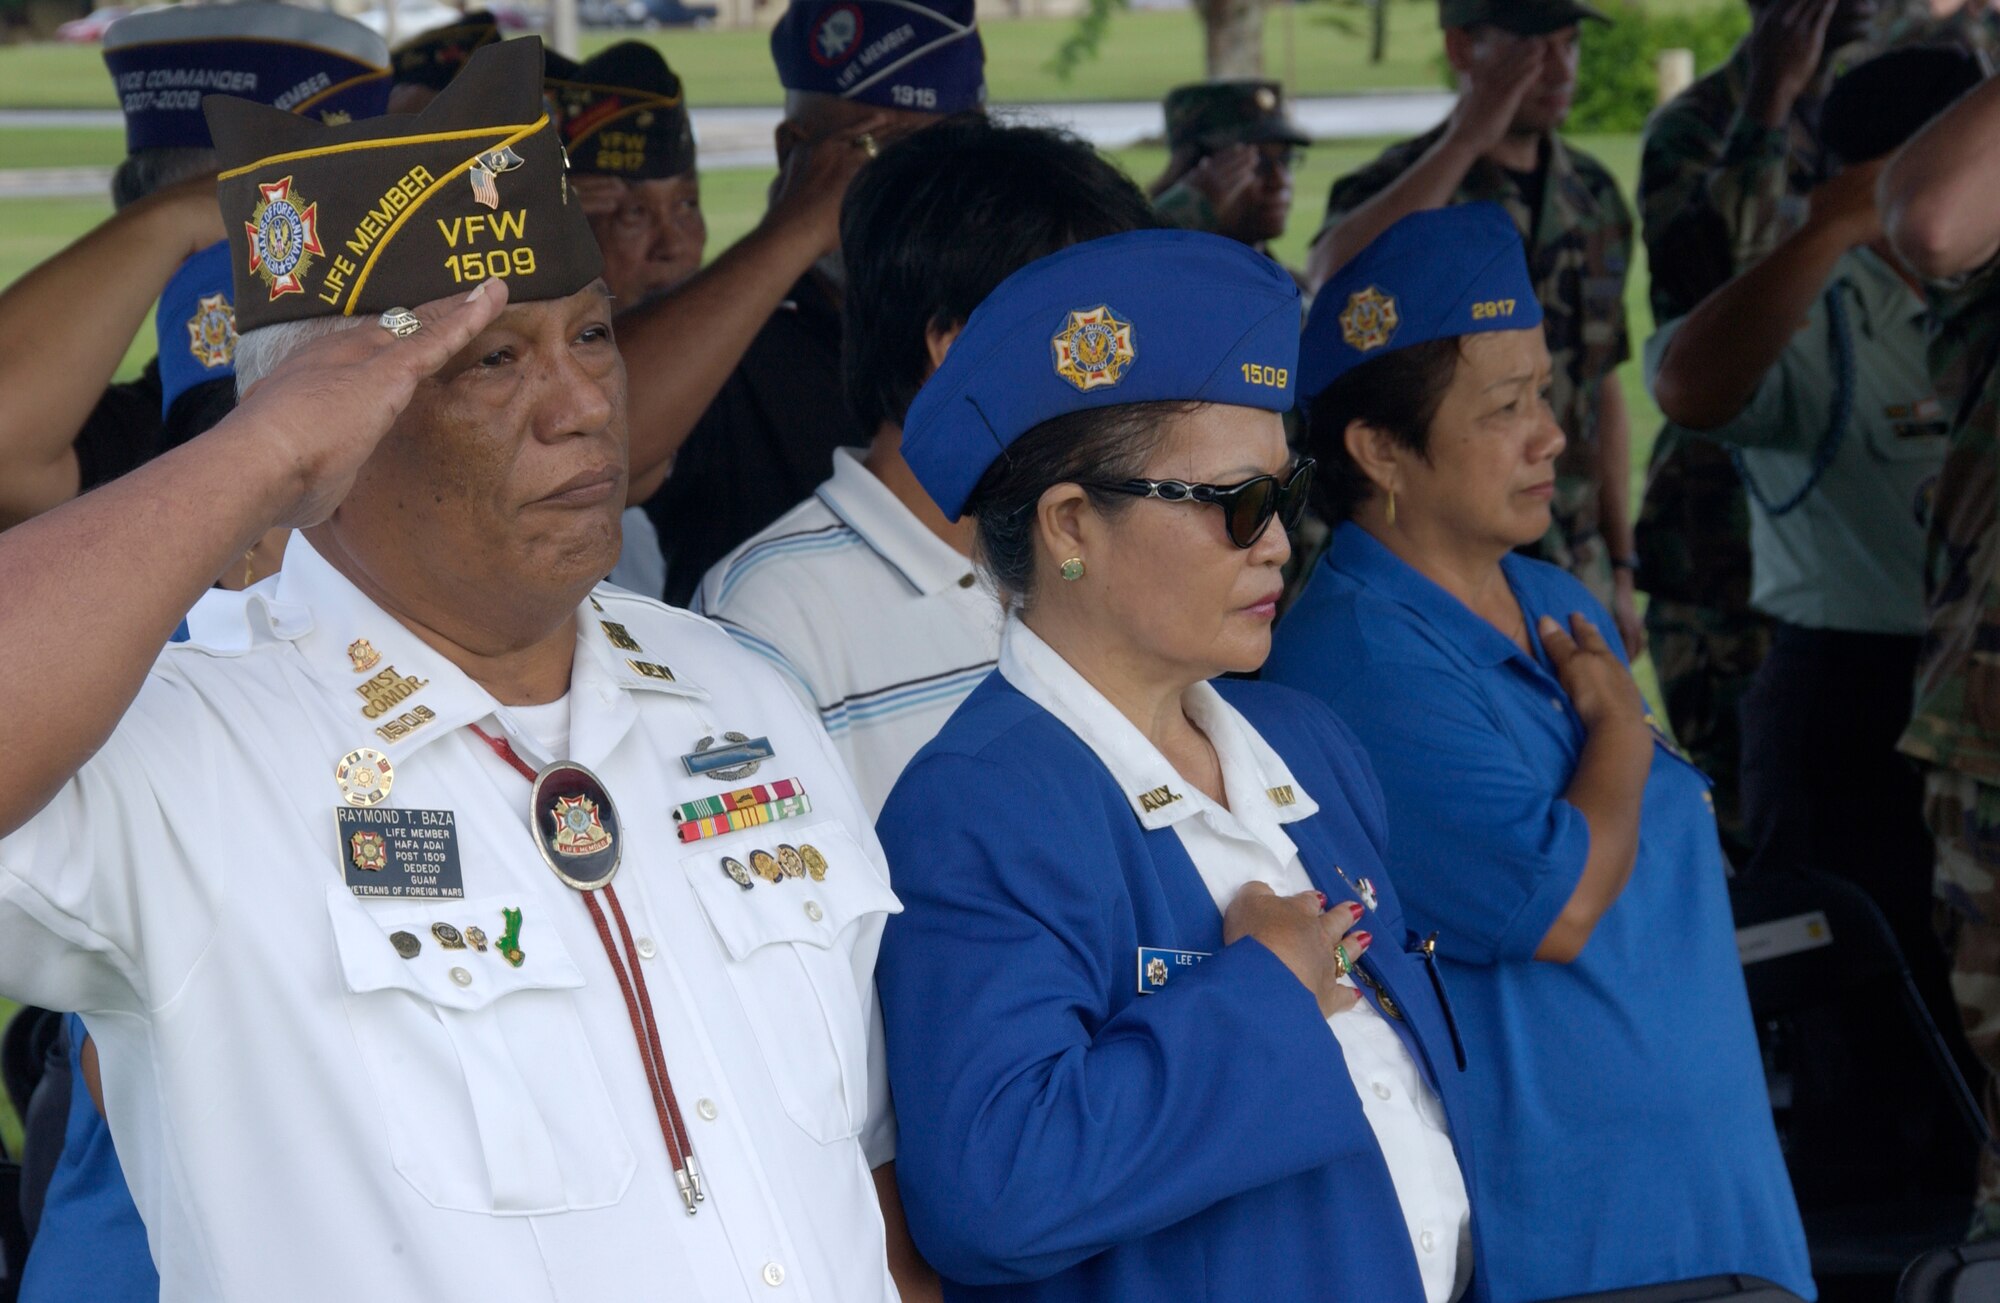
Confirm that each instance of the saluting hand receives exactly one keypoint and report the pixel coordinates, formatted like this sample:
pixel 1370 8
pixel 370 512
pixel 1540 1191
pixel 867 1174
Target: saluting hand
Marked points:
pixel 1302 932
pixel 816 175
pixel 1787 43
pixel 1599 686
pixel 1504 68
pixel 324 408
pixel 1228 180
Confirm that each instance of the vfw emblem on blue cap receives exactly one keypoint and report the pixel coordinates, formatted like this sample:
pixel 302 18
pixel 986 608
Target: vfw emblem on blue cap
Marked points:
pixel 212 331
pixel 1369 320
pixel 284 234
pixel 835 35
pixel 1094 348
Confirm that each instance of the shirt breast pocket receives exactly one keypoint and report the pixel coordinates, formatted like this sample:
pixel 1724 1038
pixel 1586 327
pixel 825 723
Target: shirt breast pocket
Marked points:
pixel 487 1086
pixel 792 974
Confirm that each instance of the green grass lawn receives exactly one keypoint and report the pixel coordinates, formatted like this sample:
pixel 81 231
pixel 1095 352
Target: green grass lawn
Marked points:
pixel 1313 48
pixel 63 147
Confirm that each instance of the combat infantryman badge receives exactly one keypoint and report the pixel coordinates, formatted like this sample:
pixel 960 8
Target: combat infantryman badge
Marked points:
pixel 1094 348
pixel 284 236
pixel 212 331
pixel 739 759
pixel 1370 320
pixel 362 656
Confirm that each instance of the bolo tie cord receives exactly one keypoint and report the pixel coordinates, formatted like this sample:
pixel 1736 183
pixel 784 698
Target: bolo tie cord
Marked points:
pixel 624 959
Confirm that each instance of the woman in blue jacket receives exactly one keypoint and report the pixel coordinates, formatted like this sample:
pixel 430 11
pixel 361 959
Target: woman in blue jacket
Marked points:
pixel 1564 852
pixel 1156 1026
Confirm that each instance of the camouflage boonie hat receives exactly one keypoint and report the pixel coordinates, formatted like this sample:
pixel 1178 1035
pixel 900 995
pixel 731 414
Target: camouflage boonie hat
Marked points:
pixel 1521 17
pixel 1216 114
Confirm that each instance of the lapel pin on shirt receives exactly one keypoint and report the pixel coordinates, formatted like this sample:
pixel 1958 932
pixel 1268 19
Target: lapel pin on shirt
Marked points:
pixel 361 654
pixel 448 936
pixel 1158 799
pixel 814 861
pixel 1282 795
pixel 620 636
pixel 739 759
pixel 1158 963
pixel 406 944
pixel 476 937
pixel 510 939
pixel 364 776
pixel 1363 888
pixel 791 861
pixel 738 874
pixel 766 866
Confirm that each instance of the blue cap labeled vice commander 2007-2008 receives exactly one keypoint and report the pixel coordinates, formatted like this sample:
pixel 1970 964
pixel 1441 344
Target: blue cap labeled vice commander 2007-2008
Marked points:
pixel 163 61
pixel 1435 274
pixel 897 54
pixel 1140 317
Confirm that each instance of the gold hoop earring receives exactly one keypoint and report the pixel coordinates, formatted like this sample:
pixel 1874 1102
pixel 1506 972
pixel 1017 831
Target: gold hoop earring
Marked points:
pixel 1072 569
pixel 1392 506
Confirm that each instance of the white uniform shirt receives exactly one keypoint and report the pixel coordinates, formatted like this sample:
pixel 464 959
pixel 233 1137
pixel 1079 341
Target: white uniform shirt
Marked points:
pixel 875 621
pixel 303 1114
pixel 1247 843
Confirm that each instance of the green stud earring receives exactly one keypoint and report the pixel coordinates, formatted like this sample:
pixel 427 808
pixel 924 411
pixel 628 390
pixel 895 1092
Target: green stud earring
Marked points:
pixel 1072 569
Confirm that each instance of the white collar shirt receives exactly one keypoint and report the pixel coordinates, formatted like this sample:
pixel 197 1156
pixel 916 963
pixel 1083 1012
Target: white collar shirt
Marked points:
pixel 1246 842
pixel 874 620
pixel 304 1114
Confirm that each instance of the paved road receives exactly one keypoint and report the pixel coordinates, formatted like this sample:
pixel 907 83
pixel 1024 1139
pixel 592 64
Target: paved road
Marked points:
pixel 741 137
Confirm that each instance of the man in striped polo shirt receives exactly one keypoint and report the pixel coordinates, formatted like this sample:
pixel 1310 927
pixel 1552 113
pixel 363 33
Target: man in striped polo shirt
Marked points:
pixel 864 595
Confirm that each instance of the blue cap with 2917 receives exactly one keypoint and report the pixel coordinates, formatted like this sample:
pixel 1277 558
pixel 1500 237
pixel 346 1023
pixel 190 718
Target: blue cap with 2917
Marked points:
pixel 1435 274
pixel 1139 317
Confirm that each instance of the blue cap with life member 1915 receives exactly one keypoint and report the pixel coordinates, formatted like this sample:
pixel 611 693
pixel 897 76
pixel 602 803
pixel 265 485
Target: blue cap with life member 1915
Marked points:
pixel 196 324
pixel 897 54
pixel 1139 317
pixel 1435 274
pixel 306 61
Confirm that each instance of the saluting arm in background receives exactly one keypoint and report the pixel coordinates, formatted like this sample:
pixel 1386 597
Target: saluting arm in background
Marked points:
pixel 1714 365
pixel 680 349
pixel 67 324
pixel 284 458
pixel 1941 195
pixel 1500 68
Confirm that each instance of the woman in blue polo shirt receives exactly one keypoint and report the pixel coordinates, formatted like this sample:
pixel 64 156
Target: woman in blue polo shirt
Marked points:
pixel 1564 854
pixel 1154 1030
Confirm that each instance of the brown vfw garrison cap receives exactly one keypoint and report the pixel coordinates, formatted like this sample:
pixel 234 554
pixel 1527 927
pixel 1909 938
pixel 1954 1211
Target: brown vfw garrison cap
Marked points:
pixel 398 210
pixel 622 113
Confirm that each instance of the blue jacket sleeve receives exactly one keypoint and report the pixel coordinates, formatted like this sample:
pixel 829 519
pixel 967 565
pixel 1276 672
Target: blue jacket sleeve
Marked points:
pixel 1480 846
pixel 1047 1115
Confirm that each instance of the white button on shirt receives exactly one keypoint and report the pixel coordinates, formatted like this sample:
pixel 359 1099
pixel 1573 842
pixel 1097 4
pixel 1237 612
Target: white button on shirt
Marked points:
pixel 1247 843
pixel 875 621
pixel 302 1113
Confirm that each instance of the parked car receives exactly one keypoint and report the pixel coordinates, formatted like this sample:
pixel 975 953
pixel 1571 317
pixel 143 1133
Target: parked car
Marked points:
pixel 644 13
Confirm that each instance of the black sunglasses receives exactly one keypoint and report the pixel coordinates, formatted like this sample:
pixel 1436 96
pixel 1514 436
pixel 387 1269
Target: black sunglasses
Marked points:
pixel 1247 507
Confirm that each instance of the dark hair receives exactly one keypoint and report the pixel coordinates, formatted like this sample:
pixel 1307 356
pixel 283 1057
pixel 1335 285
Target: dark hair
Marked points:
pixel 930 228
pixel 141 173
pixel 1397 393
pixel 1878 105
pixel 1097 445
pixel 197 411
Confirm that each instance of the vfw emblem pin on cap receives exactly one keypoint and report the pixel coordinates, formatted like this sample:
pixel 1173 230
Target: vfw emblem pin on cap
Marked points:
pixel 284 236
pixel 212 331
pixel 1094 348
pixel 1368 320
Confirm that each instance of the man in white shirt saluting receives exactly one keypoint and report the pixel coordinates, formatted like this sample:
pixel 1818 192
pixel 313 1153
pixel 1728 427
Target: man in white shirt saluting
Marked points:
pixel 375 1019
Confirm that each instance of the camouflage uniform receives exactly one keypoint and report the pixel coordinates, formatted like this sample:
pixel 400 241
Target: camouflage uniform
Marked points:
pixel 1717 191
pixel 1579 247
pixel 1955 728
pixel 1207 117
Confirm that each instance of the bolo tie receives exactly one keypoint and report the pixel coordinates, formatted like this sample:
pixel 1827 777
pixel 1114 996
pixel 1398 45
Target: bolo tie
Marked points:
pixel 575 827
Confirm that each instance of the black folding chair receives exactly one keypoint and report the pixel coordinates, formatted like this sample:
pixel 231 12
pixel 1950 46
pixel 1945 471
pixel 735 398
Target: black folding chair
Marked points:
pixel 1957 1273
pixel 1708 1289
pixel 1842 1029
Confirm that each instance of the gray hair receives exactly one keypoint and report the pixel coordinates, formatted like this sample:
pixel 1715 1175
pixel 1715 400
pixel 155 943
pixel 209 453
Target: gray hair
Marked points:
pixel 261 351
pixel 155 169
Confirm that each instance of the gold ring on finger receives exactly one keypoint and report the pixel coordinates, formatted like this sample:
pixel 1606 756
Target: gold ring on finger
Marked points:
pixel 865 142
pixel 401 322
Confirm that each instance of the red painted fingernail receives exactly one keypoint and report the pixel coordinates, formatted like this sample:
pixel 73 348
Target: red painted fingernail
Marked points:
pixel 1322 899
pixel 1363 938
pixel 1354 908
